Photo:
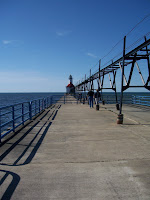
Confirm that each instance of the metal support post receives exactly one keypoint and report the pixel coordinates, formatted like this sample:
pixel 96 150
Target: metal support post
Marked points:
pixel 100 82
pixel 84 91
pixel 120 116
pixel 99 76
pixel 114 86
pixel 103 102
pixel 90 81
pixel 92 85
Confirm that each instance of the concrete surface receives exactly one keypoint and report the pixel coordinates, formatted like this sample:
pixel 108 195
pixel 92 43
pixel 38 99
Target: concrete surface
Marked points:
pixel 73 152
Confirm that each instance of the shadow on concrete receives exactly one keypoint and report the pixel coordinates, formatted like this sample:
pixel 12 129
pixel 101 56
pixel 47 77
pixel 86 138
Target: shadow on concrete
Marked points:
pixel 12 186
pixel 37 145
pixel 17 132
pixel 47 113
pixel 35 149
pixel 141 107
pixel 139 124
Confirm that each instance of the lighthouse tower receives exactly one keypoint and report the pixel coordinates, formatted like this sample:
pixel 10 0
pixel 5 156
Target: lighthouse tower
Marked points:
pixel 70 89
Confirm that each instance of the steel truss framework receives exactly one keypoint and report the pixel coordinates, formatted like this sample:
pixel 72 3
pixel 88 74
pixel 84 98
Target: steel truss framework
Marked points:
pixel 128 59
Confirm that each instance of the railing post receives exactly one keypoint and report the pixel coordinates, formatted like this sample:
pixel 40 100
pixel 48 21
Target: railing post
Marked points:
pixel 39 105
pixel 140 100
pixel 35 106
pixel 64 99
pixel 30 110
pixel 51 100
pixel 47 102
pixel 132 99
pixel 22 114
pixel 42 104
pixel 13 118
pixel 0 128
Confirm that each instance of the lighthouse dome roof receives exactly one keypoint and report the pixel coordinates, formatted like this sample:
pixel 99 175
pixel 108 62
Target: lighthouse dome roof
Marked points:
pixel 70 85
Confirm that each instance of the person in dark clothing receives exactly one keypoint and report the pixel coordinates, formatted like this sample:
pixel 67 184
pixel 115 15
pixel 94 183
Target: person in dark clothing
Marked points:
pixel 80 96
pixel 97 97
pixel 90 95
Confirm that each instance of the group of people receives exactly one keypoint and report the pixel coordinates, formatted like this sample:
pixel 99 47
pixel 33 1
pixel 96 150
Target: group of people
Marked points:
pixel 91 96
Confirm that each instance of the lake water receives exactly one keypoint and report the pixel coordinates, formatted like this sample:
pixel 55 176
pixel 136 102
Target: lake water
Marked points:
pixel 13 98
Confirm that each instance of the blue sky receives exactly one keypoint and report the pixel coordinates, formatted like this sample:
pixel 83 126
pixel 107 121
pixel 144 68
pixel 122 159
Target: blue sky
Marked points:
pixel 42 42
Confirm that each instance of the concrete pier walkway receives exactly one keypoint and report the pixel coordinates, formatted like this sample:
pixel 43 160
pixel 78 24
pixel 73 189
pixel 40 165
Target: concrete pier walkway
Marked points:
pixel 72 152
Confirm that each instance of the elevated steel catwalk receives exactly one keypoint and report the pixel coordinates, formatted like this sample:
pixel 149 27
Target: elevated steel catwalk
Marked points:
pixel 129 59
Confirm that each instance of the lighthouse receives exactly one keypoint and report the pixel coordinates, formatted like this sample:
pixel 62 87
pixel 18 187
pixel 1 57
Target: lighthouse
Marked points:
pixel 70 89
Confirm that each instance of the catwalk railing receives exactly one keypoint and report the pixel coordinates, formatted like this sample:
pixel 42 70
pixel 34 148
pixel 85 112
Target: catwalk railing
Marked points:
pixel 111 99
pixel 141 100
pixel 16 115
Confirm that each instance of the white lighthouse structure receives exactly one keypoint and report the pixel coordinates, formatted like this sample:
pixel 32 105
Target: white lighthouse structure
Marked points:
pixel 70 89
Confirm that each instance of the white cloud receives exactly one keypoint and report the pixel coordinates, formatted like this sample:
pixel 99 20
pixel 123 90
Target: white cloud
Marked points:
pixel 7 41
pixel 91 55
pixel 63 33
pixel 59 33
pixel 15 43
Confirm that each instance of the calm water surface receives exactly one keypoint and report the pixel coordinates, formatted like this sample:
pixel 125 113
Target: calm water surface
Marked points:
pixel 13 98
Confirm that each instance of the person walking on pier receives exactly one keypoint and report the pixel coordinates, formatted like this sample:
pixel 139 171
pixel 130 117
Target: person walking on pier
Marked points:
pixel 80 97
pixel 90 95
pixel 97 97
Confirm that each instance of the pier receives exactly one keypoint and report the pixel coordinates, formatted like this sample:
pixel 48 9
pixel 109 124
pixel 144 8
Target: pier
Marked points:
pixel 71 151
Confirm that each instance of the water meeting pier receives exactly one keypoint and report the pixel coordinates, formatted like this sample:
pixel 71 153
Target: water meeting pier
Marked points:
pixel 71 151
